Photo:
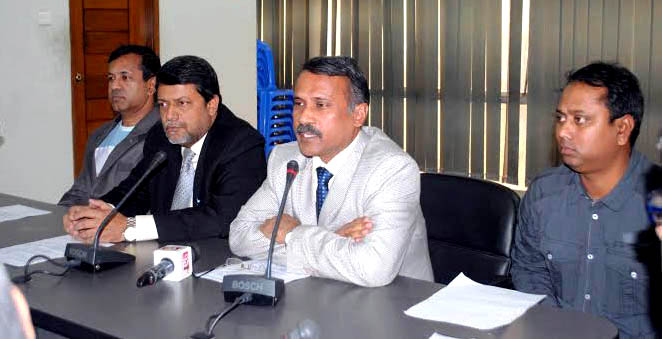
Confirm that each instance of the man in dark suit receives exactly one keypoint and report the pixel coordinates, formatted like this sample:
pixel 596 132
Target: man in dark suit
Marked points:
pixel 116 147
pixel 215 162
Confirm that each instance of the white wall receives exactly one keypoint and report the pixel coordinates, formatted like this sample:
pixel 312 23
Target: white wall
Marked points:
pixel 36 155
pixel 223 32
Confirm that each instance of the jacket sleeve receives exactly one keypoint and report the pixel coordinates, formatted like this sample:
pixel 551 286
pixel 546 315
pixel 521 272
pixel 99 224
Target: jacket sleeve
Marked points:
pixel 233 180
pixel 245 238
pixel 80 191
pixel 138 202
pixel 529 271
pixel 391 201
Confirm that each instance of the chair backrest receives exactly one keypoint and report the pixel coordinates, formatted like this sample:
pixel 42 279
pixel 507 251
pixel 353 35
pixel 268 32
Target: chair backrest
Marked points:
pixel 266 75
pixel 470 225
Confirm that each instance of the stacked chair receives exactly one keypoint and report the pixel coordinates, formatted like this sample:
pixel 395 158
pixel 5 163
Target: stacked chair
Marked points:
pixel 274 106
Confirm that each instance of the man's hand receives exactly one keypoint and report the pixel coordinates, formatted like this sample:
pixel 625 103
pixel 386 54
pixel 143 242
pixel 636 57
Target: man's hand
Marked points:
pixel 287 223
pixel 82 222
pixel 357 229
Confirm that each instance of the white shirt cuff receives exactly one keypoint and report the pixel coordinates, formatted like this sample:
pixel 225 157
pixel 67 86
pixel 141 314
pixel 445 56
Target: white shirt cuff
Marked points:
pixel 288 236
pixel 146 228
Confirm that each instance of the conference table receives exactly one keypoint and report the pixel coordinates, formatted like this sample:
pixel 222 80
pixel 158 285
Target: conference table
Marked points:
pixel 108 304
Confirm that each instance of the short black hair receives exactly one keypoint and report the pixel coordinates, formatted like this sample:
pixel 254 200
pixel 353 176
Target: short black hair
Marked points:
pixel 150 62
pixel 342 66
pixel 623 91
pixel 189 69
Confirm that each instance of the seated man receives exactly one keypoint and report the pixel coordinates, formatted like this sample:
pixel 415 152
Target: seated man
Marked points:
pixel 215 162
pixel 353 213
pixel 117 146
pixel 584 238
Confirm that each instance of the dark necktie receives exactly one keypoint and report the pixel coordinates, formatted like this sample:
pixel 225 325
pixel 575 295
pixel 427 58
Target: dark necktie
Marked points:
pixel 323 177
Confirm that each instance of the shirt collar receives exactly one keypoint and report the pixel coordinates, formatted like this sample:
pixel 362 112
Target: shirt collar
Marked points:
pixel 336 164
pixel 197 146
pixel 623 191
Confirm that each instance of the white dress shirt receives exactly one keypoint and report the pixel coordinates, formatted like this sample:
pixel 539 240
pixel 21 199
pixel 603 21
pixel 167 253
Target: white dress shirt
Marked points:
pixel 145 224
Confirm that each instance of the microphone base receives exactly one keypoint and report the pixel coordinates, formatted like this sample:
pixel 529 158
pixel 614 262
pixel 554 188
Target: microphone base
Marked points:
pixel 105 258
pixel 266 291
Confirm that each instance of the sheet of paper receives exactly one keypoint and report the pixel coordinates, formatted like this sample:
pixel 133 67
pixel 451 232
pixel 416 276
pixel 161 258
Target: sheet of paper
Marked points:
pixel 14 212
pixel 255 267
pixel 436 335
pixel 467 303
pixel 18 255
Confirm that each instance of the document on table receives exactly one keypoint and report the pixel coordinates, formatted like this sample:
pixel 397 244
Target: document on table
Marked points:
pixel 13 212
pixel 255 267
pixel 436 335
pixel 18 255
pixel 468 303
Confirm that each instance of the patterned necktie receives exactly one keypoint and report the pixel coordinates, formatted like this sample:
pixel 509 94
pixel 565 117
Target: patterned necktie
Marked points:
pixel 323 177
pixel 184 190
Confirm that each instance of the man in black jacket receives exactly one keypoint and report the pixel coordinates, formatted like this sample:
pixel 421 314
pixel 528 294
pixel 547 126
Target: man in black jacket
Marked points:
pixel 215 162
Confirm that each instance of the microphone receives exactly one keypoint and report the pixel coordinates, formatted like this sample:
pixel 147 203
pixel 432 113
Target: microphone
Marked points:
pixel 171 262
pixel 306 329
pixel 94 259
pixel 156 273
pixel 266 290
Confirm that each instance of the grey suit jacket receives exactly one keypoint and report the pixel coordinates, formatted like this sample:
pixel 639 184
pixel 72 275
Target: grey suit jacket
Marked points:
pixel 117 167
pixel 381 181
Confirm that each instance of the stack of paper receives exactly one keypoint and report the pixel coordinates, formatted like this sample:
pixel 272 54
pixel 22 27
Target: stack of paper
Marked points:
pixel 468 303
pixel 14 212
pixel 255 267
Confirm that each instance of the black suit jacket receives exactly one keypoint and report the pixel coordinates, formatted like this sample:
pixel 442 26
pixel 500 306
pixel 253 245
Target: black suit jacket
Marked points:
pixel 230 169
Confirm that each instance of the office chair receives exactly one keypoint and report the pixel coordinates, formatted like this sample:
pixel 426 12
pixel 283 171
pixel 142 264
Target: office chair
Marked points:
pixel 470 225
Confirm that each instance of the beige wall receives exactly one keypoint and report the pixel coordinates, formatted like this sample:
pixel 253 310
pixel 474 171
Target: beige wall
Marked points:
pixel 36 155
pixel 223 33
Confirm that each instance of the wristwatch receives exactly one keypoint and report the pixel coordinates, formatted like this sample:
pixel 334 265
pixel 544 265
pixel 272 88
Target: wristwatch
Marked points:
pixel 130 231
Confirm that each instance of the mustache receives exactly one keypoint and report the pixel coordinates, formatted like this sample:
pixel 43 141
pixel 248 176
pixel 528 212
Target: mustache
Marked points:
pixel 116 92
pixel 173 124
pixel 308 128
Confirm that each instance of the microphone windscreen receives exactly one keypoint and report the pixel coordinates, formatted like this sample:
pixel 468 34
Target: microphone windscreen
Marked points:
pixel 159 157
pixel 293 167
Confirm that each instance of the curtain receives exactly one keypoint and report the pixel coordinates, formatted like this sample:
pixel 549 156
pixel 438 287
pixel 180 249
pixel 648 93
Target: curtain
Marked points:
pixel 469 87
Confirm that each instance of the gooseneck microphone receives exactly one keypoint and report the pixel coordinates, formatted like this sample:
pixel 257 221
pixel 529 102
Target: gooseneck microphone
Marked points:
pixel 91 257
pixel 292 171
pixel 156 273
pixel 266 290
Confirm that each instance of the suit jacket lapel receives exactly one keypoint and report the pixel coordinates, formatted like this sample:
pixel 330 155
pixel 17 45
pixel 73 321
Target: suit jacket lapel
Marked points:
pixel 172 172
pixel 341 183
pixel 133 138
pixel 92 161
pixel 300 197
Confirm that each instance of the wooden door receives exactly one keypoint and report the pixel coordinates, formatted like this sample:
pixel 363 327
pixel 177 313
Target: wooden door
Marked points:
pixel 97 28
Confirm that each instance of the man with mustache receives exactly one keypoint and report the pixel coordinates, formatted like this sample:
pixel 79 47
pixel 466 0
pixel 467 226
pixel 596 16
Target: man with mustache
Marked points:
pixel 353 213
pixel 215 162
pixel 117 146
pixel 584 238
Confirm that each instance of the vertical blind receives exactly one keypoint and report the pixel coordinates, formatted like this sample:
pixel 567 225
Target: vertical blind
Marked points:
pixel 469 87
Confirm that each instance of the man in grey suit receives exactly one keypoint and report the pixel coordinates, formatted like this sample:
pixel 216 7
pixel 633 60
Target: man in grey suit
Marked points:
pixel 117 146
pixel 353 213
